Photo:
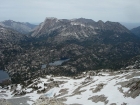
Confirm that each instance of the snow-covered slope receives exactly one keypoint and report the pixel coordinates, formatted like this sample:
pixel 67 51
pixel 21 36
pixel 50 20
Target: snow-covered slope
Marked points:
pixel 91 88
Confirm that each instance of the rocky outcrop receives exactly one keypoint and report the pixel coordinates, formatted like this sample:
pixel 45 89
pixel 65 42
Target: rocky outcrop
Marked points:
pixel 100 98
pixel 134 87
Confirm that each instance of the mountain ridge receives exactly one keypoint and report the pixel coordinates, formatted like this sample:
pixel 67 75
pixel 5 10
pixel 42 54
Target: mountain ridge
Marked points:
pixel 136 31
pixel 22 27
pixel 75 28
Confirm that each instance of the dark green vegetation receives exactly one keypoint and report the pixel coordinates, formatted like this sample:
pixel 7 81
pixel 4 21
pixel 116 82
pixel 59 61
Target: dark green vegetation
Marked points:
pixel 110 48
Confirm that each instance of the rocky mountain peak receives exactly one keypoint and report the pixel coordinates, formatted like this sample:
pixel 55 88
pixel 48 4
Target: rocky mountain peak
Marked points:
pixel 100 22
pixel 45 26
pixel 50 21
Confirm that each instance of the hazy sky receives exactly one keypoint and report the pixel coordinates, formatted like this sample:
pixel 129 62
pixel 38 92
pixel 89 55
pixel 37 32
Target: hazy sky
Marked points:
pixel 36 11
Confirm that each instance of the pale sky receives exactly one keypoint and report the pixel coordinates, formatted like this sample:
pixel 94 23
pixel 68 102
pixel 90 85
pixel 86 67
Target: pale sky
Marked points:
pixel 36 11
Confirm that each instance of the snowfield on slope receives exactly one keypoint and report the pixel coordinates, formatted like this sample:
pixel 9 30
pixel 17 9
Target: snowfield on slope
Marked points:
pixel 103 88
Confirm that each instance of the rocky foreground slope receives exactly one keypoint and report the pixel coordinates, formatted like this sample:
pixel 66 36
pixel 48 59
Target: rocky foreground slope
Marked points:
pixel 102 87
